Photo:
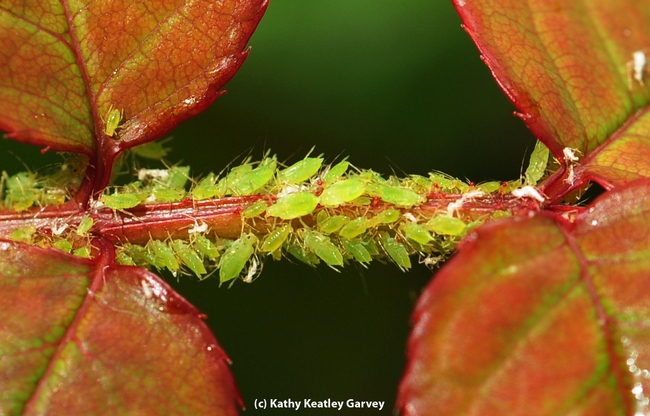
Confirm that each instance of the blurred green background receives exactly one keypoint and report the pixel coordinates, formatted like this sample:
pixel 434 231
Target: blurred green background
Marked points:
pixel 397 87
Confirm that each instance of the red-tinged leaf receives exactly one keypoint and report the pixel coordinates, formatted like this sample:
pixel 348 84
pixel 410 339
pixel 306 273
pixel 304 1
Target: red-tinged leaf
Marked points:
pixel 86 337
pixel 65 64
pixel 537 316
pixel 567 67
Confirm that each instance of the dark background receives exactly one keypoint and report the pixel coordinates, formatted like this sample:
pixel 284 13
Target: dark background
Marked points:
pixel 397 87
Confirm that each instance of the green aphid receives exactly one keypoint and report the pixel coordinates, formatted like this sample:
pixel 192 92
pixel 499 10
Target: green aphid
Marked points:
pixel 322 247
pixel 250 182
pixel 341 192
pixel 113 118
pixel 53 196
pixel 419 184
pixel 274 240
pixel 236 256
pixel 416 232
pixel 22 191
pixel 333 224
pixel 293 206
pixel 335 172
pixel 300 171
pixel 24 234
pixel 164 255
pixel 396 251
pixel 489 187
pixel 206 188
pixel 446 225
pixel 398 196
pixel 164 194
pixel 189 257
pixel 387 216
pixel 537 164
pixel 371 246
pixel 369 176
pixel 63 245
pixel 354 228
pixel 299 253
pixel 255 210
pixel 498 214
pixel 84 226
pixel 136 252
pixel 178 177
pixel 224 185
pixel 124 259
pixel 153 150
pixel 206 247
pixel 120 201
pixel 358 251
pixel 83 251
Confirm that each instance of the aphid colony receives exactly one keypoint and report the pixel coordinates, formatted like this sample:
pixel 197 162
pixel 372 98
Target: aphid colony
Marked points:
pixel 27 189
pixel 307 211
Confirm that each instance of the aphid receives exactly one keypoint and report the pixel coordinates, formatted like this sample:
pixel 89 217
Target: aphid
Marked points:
pixel 418 184
pixel 83 251
pixel 387 216
pixel 400 197
pixel 293 206
pixel 416 232
pixel 164 255
pixel 63 245
pixel 341 192
pixel 335 172
pixel 306 257
pixel 113 118
pixel 446 225
pixel 120 201
pixel 205 189
pixel 300 171
pixel 528 192
pixel 84 226
pixel 21 190
pixel 249 182
pixel 371 246
pixel 396 251
pixel 124 259
pixel 224 185
pixel 164 194
pixel 24 234
pixel 178 177
pixel 206 247
pixel 354 228
pixel 358 251
pixel 537 164
pixel 489 187
pixel 189 257
pixel 153 150
pixel 255 210
pixel 322 247
pixel 236 256
pixel 274 240
pixel 333 224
